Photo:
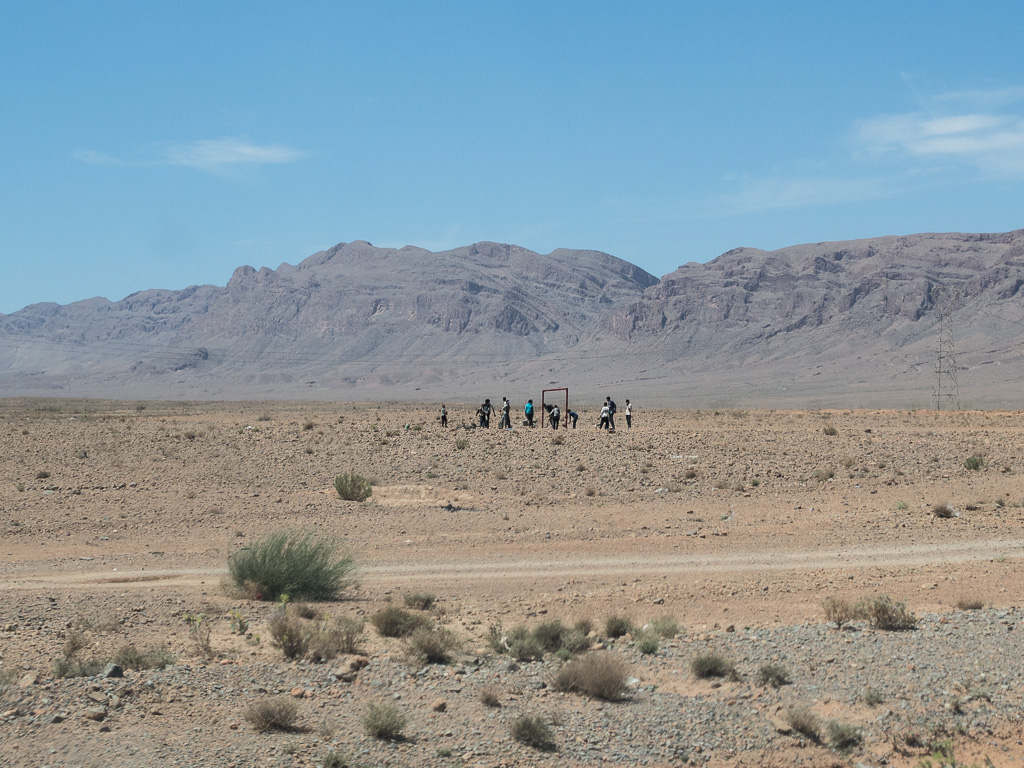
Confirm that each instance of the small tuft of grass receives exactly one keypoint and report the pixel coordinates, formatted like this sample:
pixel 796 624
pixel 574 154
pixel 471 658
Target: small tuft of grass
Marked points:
pixel 534 732
pixel 873 697
pixel 944 510
pixel 617 625
pixel 969 604
pixel 709 665
pixel 664 626
pixel 420 601
pixel 277 713
pixel 774 675
pixel 830 430
pixel 805 722
pixel 398 622
pixel 433 646
pixel 154 657
pixel 843 737
pixel 490 697
pixel 383 721
pixel 974 462
pixel 648 643
pixel 42 474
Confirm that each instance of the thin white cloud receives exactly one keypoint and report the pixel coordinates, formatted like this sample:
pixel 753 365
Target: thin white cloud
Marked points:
pixel 219 153
pixel 212 155
pixel 755 195
pixel 951 129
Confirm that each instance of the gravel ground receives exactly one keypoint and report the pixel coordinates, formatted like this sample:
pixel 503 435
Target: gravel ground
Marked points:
pixel 957 674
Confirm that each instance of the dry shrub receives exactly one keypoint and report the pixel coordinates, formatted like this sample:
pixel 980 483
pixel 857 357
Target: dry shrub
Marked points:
pixel 318 640
pixel 274 714
pixel 433 646
pixel 805 722
pixel 534 732
pixel 774 675
pixel 664 626
pixel 294 563
pixel 598 675
pixel 885 613
pixel 839 611
pixel 617 625
pixel 398 622
pixel 969 604
pixel 708 665
pixel 420 601
pixel 843 736
pixel 383 721
pixel 154 657
pixel 490 697
pixel 944 510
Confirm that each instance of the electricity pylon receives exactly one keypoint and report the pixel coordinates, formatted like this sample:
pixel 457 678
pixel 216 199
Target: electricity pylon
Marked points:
pixel 946 387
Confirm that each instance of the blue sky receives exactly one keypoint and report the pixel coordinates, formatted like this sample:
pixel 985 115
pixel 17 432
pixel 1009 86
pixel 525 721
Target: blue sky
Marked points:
pixel 160 145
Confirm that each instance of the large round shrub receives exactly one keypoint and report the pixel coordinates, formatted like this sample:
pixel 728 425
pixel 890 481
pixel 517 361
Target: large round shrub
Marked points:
pixel 352 487
pixel 294 563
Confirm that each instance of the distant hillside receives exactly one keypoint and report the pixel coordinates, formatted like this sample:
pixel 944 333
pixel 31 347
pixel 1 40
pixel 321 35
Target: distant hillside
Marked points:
pixel 826 324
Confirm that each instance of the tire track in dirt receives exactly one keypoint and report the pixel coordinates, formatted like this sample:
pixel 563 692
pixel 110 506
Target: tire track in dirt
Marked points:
pixel 499 567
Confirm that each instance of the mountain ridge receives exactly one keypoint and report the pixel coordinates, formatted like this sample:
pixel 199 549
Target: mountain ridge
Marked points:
pixel 843 323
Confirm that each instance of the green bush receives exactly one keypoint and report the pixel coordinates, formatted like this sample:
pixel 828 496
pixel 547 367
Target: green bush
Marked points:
pixel 398 622
pixel 352 487
pixel 383 721
pixel 598 675
pixel 648 643
pixel 296 564
pixel 534 732
pixel 974 462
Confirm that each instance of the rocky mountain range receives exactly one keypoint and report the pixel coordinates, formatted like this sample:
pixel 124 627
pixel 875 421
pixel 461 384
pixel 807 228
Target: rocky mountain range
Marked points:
pixel 839 324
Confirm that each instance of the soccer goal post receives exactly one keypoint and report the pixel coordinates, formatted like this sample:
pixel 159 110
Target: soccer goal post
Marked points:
pixel 555 399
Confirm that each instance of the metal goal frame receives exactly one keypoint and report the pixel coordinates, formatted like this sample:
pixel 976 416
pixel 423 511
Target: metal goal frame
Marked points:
pixel 543 401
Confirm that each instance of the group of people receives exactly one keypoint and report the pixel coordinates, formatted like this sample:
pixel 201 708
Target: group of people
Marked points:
pixel 484 412
pixel 608 411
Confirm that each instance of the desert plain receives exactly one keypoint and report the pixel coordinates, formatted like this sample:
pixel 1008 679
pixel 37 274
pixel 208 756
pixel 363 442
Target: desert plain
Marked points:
pixel 117 521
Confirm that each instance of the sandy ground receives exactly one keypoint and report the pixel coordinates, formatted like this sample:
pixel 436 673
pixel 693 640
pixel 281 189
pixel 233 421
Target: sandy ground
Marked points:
pixel 717 518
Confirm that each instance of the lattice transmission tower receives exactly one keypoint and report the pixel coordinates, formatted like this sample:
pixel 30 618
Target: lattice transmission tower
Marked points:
pixel 946 387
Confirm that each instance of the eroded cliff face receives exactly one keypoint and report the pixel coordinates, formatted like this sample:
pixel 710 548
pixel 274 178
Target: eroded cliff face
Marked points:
pixel 807 293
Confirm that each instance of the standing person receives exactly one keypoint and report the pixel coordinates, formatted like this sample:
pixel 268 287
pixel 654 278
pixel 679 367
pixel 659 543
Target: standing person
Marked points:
pixel 629 415
pixel 485 413
pixel 506 418
pixel 571 415
pixel 444 416
pixel 611 411
pixel 605 417
pixel 529 412
pixel 555 415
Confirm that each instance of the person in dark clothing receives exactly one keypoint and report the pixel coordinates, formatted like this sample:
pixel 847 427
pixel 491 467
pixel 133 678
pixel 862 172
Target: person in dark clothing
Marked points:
pixel 611 411
pixel 629 415
pixel 555 415
pixel 529 412
pixel 573 416
pixel 484 412
pixel 444 416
